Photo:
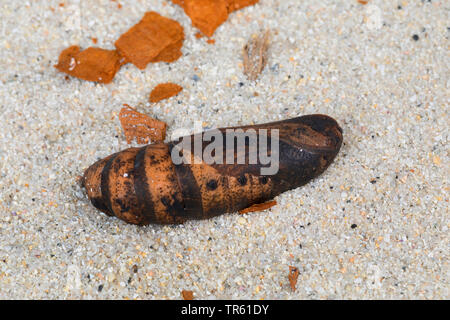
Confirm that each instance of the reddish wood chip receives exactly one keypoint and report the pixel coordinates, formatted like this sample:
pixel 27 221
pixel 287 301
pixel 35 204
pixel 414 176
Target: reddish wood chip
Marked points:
pixel 258 207
pixel 187 295
pixel 164 91
pixel 208 15
pixel 293 276
pixel 141 127
pixel 92 64
pixel 154 38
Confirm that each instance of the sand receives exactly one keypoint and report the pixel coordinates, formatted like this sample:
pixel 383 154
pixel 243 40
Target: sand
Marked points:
pixel 374 225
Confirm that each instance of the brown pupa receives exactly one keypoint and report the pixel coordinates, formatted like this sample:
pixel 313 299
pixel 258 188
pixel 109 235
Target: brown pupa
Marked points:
pixel 146 185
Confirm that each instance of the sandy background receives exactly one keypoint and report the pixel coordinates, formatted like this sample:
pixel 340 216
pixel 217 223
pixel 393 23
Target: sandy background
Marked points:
pixel 358 64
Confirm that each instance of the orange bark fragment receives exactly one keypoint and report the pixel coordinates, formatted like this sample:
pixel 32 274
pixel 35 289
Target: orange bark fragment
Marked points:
pixel 170 54
pixel 208 15
pixel 92 64
pixel 148 40
pixel 258 207
pixel 187 295
pixel 164 91
pixel 363 1
pixel 293 276
pixel 141 127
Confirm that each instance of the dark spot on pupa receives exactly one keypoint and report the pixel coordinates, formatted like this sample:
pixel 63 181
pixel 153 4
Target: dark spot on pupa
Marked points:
pixel 127 184
pixel 211 184
pixel 165 201
pixel 242 180
pixel 264 180
pixel 123 206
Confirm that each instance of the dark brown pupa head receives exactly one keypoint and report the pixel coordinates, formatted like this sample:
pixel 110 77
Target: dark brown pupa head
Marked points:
pixel 321 133
pixel 308 145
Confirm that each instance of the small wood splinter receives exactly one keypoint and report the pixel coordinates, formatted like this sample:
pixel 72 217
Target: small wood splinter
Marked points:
pixel 255 55
pixel 258 207
pixel 293 276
